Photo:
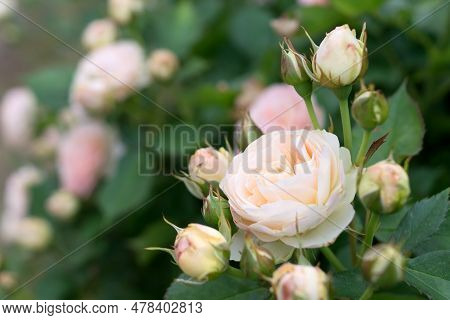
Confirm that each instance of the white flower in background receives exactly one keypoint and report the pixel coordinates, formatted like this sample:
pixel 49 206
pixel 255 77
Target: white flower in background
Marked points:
pixel 108 75
pixel 280 107
pixel 45 145
pixel 84 155
pixel 209 164
pixel 292 186
pixel 122 11
pixel 62 205
pixel 99 33
pixel 340 58
pixel 17 117
pixel 16 200
pixel 284 26
pixel 201 251
pixel 5 8
pixel 33 233
pixel 162 64
pixel 298 282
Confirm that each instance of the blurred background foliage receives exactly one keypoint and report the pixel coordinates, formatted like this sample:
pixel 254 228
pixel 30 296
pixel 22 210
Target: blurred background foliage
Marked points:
pixel 220 44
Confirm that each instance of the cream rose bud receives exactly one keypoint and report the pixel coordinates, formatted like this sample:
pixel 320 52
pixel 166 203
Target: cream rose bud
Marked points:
pixel 62 204
pixel 201 252
pixel 279 107
pixel 384 187
pixel 99 33
pixel 209 164
pixel 297 282
pixel 123 11
pixel 294 187
pixel 109 75
pixel 340 58
pixel 83 157
pixel 383 265
pixel 162 64
pixel 18 112
pixel 34 233
pixel 370 109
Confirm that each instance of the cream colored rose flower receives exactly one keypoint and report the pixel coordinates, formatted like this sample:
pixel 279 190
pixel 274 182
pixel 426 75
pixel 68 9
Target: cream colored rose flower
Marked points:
pixel 99 33
pixel 162 64
pixel 292 186
pixel 209 164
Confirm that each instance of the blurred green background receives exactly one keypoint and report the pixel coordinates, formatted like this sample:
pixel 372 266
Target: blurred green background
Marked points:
pixel 220 44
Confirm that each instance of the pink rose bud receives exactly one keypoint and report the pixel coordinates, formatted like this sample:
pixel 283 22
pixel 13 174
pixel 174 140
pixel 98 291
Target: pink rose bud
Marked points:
pixel 18 111
pixel 308 3
pixel 284 26
pixel 279 107
pixel 99 33
pixel 209 164
pixel 83 155
pixel 298 282
pixel 162 64
pixel 109 75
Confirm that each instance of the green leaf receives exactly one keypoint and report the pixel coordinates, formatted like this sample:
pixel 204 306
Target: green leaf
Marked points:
pixel 126 190
pixel 430 274
pixel 439 241
pixel 422 221
pixel 348 285
pixel 405 127
pixel 225 287
pixel 389 224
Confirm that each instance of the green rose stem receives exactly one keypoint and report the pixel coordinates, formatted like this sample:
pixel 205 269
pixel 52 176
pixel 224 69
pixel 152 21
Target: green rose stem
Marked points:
pixel 332 259
pixel 363 148
pixel 235 272
pixel 305 91
pixel 367 293
pixel 342 94
pixel 371 229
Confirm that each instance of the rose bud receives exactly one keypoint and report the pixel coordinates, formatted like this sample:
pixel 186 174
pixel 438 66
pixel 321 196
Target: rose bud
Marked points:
pixel 384 187
pixel 122 11
pixel 7 279
pixel 162 64
pixel 256 261
pixel 201 252
pixel 18 112
pixel 383 265
pixel 99 33
pixel 33 233
pixel 209 164
pixel 298 282
pixel 62 205
pixel 293 67
pixel 284 26
pixel 370 109
pixel 213 207
pixel 46 144
pixel 341 58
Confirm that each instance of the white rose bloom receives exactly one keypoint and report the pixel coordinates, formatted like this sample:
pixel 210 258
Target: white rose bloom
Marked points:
pixel 17 116
pixel 123 10
pixel 340 58
pixel 15 200
pixel 109 74
pixel 292 187
pixel 99 33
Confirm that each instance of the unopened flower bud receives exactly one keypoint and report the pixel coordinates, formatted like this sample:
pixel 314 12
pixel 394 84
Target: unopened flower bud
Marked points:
pixel 209 164
pixel 341 58
pixel 247 132
pixel 7 280
pixel 162 64
pixel 213 207
pixel 384 187
pixel 201 252
pixel 284 26
pixel 383 265
pixel 45 145
pixel 370 109
pixel 298 282
pixel 122 11
pixel 62 205
pixel 34 233
pixel 293 66
pixel 256 261
pixel 99 33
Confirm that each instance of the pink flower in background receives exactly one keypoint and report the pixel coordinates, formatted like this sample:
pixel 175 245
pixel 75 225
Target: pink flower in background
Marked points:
pixel 99 33
pixel 307 3
pixel 17 115
pixel 109 74
pixel 279 107
pixel 83 155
